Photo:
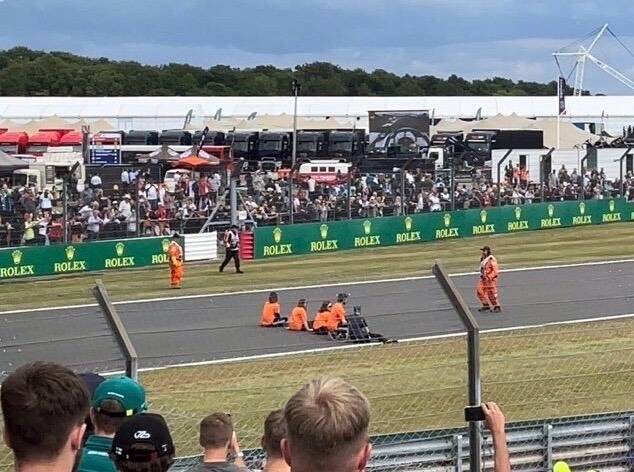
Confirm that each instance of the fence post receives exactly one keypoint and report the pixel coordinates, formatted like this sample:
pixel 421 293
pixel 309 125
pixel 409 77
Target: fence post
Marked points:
pixel 548 438
pixel 65 210
pixel 473 359
pixel 119 330
pixel 500 162
pixel 457 439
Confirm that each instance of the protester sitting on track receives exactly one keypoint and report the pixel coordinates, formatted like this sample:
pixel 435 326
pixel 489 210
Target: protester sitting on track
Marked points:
pixel 274 432
pixel 271 313
pixel 323 323
pixel 338 309
pixel 299 317
pixel 220 444
pixel 44 406
pixel 113 402
pixel 143 443
pixel 327 422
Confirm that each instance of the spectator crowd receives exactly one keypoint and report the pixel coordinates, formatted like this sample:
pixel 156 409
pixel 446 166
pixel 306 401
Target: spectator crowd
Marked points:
pixel 140 205
pixel 57 421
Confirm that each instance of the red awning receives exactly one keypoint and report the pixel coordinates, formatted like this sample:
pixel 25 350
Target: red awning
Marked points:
pixel 193 161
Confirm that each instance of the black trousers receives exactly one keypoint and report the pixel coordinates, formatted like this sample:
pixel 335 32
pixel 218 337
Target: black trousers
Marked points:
pixel 231 254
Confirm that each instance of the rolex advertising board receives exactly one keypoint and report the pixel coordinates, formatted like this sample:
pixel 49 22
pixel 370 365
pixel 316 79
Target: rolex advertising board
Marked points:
pixel 76 258
pixel 418 227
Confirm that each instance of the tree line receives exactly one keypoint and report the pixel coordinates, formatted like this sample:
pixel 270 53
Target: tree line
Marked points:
pixel 25 72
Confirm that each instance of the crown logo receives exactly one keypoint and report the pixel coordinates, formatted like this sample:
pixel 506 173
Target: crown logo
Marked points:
pixel 277 235
pixel 119 247
pixel 551 210
pixel 367 226
pixel 70 252
pixel 611 206
pixel 518 213
pixel 165 244
pixel 483 216
pixel 408 223
pixel 17 256
pixel 447 219
pixel 323 231
pixel 582 208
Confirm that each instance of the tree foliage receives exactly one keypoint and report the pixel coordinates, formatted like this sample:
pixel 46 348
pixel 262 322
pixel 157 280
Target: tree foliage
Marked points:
pixel 24 72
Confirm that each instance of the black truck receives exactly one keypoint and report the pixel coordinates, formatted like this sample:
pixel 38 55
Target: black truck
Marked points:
pixel 347 144
pixel 142 138
pixel 275 144
pixel 481 142
pixel 175 137
pixel 213 138
pixel 311 144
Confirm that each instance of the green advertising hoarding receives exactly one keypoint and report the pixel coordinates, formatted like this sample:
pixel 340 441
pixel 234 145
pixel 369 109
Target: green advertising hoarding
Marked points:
pixel 386 231
pixel 60 259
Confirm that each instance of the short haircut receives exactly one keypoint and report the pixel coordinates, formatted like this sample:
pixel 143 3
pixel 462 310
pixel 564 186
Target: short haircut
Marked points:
pixel 327 418
pixel 110 416
pixel 274 432
pixel 42 402
pixel 216 430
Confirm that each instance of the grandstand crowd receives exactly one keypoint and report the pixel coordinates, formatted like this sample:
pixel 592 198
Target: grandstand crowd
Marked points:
pixel 57 421
pixel 138 205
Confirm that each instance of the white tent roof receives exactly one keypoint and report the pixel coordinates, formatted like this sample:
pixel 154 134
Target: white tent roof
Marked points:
pixel 177 107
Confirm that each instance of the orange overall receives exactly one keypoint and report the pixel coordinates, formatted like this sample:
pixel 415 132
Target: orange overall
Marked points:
pixel 487 290
pixel 175 253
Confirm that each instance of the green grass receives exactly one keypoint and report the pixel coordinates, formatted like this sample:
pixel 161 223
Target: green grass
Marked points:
pixel 513 250
pixel 535 373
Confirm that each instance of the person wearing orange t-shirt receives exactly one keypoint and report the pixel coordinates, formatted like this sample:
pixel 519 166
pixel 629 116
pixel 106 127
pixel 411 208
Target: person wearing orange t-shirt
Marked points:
pixel 338 310
pixel 322 322
pixel 298 320
pixel 487 289
pixel 271 313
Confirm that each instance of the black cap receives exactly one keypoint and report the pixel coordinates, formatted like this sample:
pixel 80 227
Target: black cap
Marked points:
pixel 485 248
pixel 176 236
pixel 147 429
pixel 235 226
pixel 91 381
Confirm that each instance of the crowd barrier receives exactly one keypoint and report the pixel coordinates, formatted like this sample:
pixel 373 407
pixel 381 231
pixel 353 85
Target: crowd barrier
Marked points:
pixel 394 230
pixel 34 261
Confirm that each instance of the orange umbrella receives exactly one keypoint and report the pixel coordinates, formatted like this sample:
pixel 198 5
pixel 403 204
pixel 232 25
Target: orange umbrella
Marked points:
pixel 193 161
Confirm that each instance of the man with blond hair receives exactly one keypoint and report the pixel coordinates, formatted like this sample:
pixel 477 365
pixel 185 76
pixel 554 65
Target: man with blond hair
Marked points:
pixel 327 428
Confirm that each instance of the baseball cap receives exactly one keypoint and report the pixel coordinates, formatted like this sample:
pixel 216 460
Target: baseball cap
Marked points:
pixel 133 437
pixel 561 466
pixel 91 381
pixel 129 394
pixel 485 248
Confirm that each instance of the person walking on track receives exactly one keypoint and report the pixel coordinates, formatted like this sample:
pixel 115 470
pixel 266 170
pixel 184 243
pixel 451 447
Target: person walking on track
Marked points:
pixel 175 253
pixel 487 290
pixel 232 248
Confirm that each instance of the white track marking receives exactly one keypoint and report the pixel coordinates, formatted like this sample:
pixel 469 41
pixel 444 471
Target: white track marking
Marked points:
pixel 308 287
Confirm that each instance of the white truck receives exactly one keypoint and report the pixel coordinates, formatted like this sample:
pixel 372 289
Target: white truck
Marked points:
pixel 49 170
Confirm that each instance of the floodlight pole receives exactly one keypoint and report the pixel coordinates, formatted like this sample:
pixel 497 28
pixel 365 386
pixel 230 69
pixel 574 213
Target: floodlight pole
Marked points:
pixel 296 87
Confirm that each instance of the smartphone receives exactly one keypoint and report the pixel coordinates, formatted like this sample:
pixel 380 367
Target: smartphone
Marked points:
pixel 473 413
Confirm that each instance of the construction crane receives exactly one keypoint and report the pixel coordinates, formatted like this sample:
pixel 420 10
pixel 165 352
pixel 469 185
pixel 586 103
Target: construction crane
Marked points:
pixel 583 54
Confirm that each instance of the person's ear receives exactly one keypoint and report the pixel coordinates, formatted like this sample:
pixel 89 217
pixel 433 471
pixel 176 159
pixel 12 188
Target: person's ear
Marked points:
pixel 364 457
pixel 286 451
pixel 76 437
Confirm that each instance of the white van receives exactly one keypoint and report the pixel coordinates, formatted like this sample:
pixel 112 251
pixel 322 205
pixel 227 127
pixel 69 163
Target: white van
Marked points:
pixel 325 171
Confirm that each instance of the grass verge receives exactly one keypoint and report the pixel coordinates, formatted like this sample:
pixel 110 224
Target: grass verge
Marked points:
pixel 536 373
pixel 513 250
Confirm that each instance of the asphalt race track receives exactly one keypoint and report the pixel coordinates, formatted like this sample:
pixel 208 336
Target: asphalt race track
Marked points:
pixel 226 326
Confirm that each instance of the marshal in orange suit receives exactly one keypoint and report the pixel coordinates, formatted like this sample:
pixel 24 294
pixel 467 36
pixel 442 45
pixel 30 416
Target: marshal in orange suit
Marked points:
pixel 487 290
pixel 175 253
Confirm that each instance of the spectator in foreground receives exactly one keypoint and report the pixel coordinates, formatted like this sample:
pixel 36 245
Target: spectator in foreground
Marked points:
pixel 44 406
pixel 495 422
pixel 143 443
pixel 274 432
pixel 220 444
pixel 114 400
pixel 327 423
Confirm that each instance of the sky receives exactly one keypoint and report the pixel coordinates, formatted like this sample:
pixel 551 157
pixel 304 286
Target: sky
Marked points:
pixel 470 38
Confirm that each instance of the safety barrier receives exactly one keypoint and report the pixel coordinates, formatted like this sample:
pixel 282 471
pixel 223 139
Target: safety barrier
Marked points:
pixel 419 227
pixel 33 261
pixel 601 442
pixel 201 246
